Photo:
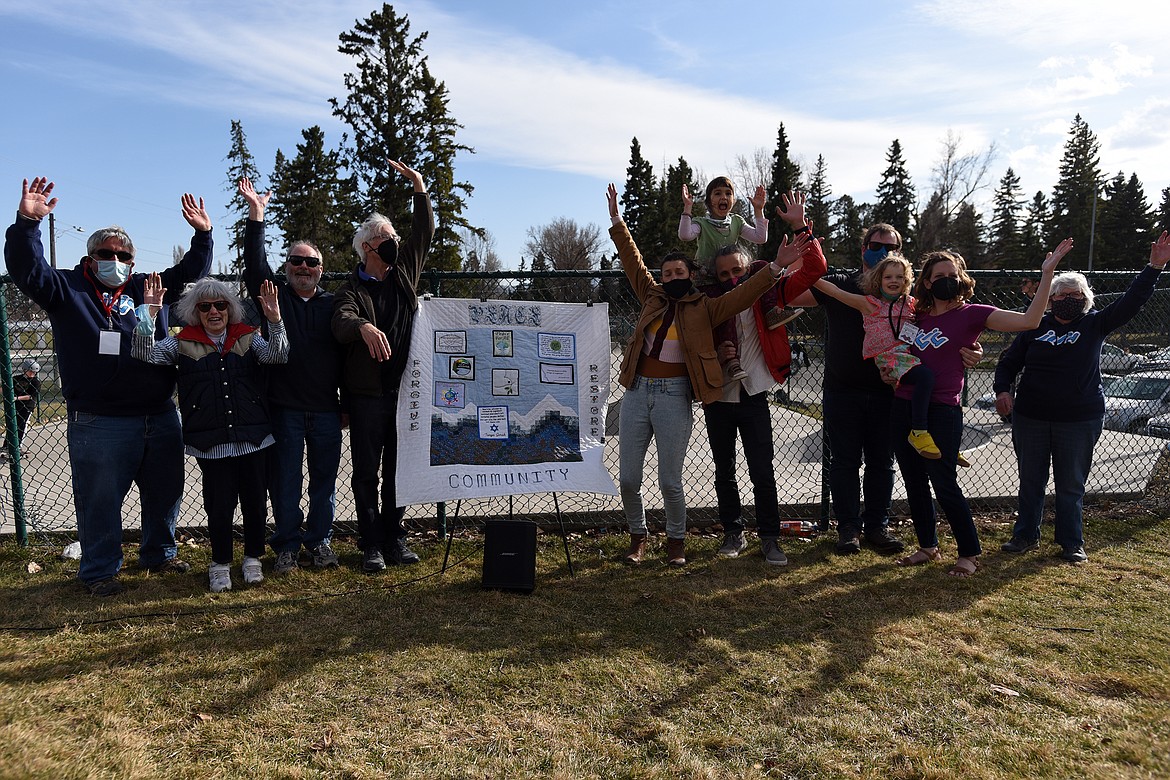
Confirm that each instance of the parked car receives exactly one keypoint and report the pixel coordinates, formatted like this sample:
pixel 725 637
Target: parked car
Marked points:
pixel 1117 359
pixel 987 401
pixel 1143 349
pixel 1157 361
pixel 1132 401
pixel 1159 426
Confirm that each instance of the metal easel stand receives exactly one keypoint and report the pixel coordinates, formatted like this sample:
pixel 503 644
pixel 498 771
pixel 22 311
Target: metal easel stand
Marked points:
pixel 560 522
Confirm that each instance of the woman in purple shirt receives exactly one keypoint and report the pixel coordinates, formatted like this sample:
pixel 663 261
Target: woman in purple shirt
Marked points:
pixel 947 323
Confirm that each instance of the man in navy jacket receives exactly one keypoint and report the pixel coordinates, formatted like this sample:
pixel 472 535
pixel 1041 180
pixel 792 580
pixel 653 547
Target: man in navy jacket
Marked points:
pixel 123 428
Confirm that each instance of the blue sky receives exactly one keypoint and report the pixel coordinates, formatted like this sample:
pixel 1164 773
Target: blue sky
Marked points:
pixel 126 105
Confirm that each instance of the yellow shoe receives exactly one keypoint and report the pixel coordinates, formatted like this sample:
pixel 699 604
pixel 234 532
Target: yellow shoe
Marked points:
pixel 962 461
pixel 924 444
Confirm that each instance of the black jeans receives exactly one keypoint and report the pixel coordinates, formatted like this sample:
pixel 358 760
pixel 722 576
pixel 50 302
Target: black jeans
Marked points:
pixel 373 438
pixel 226 482
pixel 752 420
pixel 857 424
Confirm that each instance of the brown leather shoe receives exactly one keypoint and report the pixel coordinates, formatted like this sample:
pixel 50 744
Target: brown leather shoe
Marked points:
pixel 675 552
pixel 637 548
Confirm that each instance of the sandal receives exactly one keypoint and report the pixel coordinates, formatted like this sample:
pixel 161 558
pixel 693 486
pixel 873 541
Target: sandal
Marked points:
pixel 965 567
pixel 921 557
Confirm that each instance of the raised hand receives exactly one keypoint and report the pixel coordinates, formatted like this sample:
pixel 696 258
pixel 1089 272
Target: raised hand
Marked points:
pixel 34 198
pixel 153 293
pixel 410 173
pixel 194 212
pixel 256 202
pixel 789 253
pixel 269 301
pixel 688 201
pixel 758 198
pixel 1159 250
pixel 611 199
pixel 794 204
pixel 1053 258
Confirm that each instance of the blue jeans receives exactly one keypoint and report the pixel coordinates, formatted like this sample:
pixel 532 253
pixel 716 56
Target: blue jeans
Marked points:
pixel 854 427
pixel 658 408
pixel 1068 447
pixel 751 419
pixel 106 455
pixel 920 474
pixel 295 432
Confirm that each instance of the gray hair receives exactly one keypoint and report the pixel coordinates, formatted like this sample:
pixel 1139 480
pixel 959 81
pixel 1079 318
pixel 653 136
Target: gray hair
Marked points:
pixel 1072 281
pixel 99 237
pixel 312 247
pixel 370 228
pixel 208 289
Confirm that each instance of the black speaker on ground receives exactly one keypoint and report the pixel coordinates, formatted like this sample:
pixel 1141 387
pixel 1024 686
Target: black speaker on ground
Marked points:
pixel 509 555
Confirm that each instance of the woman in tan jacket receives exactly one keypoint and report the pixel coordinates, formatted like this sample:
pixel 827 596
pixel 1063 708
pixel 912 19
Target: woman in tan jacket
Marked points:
pixel 669 362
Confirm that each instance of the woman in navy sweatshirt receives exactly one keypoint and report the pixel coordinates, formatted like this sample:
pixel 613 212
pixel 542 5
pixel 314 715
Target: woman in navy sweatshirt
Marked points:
pixel 1059 406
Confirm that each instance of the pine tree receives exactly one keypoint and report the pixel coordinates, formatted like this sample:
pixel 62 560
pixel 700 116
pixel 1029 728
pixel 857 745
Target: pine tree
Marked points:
pixel 1075 195
pixel 849 224
pixel 640 199
pixel 1033 232
pixel 241 164
pixel 819 207
pixel 312 202
pixel 895 195
pixel 964 234
pixel 1125 225
pixel 670 206
pixel 1164 212
pixel 785 177
pixel 397 110
pixel 1004 248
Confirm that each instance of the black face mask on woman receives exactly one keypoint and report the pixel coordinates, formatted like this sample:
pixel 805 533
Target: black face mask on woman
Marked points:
pixel 945 288
pixel 677 288
pixel 1068 309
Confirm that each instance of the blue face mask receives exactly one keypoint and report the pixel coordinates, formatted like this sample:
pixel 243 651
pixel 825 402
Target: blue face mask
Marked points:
pixel 111 273
pixel 872 257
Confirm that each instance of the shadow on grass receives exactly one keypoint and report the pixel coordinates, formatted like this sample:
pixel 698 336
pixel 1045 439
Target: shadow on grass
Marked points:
pixel 706 620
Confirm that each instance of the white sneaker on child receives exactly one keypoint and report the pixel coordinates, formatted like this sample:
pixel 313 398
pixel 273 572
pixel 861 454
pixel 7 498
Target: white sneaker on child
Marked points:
pixel 220 577
pixel 253 571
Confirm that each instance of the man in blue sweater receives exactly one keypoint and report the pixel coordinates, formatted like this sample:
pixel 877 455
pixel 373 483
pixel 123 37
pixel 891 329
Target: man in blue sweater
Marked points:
pixel 302 395
pixel 123 428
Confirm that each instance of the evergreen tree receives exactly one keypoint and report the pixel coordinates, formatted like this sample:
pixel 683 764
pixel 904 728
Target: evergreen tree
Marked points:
pixel 819 207
pixel 670 207
pixel 849 224
pixel 640 199
pixel 397 110
pixel 895 195
pixel 1125 225
pixel 1164 212
pixel 933 225
pixel 1033 233
pixel 312 202
pixel 785 176
pixel 1075 195
pixel 1004 248
pixel 240 164
pixel 964 234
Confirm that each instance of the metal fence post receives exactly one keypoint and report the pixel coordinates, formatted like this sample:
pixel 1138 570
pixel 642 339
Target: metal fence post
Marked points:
pixel 12 426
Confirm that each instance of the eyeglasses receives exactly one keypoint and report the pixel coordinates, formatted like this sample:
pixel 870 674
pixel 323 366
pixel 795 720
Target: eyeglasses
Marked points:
pixel 877 246
pixel 110 254
pixel 205 306
pixel 308 260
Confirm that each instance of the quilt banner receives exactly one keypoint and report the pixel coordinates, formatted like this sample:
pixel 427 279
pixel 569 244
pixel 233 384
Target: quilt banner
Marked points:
pixel 503 397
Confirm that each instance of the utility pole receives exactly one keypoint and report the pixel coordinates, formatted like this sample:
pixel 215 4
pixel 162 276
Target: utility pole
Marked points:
pixel 52 240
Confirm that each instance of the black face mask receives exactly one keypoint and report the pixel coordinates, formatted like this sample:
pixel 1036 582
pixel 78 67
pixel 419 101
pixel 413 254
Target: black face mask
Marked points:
pixel 731 284
pixel 388 251
pixel 945 288
pixel 677 288
pixel 1068 309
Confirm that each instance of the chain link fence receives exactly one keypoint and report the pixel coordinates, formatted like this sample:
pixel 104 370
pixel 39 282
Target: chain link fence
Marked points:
pixel 1125 457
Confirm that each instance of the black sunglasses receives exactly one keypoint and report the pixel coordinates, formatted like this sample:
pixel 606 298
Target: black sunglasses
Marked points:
pixel 312 262
pixel 205 306
pixel 110 254
pixel 877 246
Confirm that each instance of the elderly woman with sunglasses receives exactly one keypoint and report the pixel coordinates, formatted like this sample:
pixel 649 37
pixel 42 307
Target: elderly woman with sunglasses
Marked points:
pixel 223 406
pixel 1058 407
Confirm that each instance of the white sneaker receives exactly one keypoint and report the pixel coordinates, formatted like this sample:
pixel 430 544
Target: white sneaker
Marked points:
pixel 253 571
pixel 220 577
